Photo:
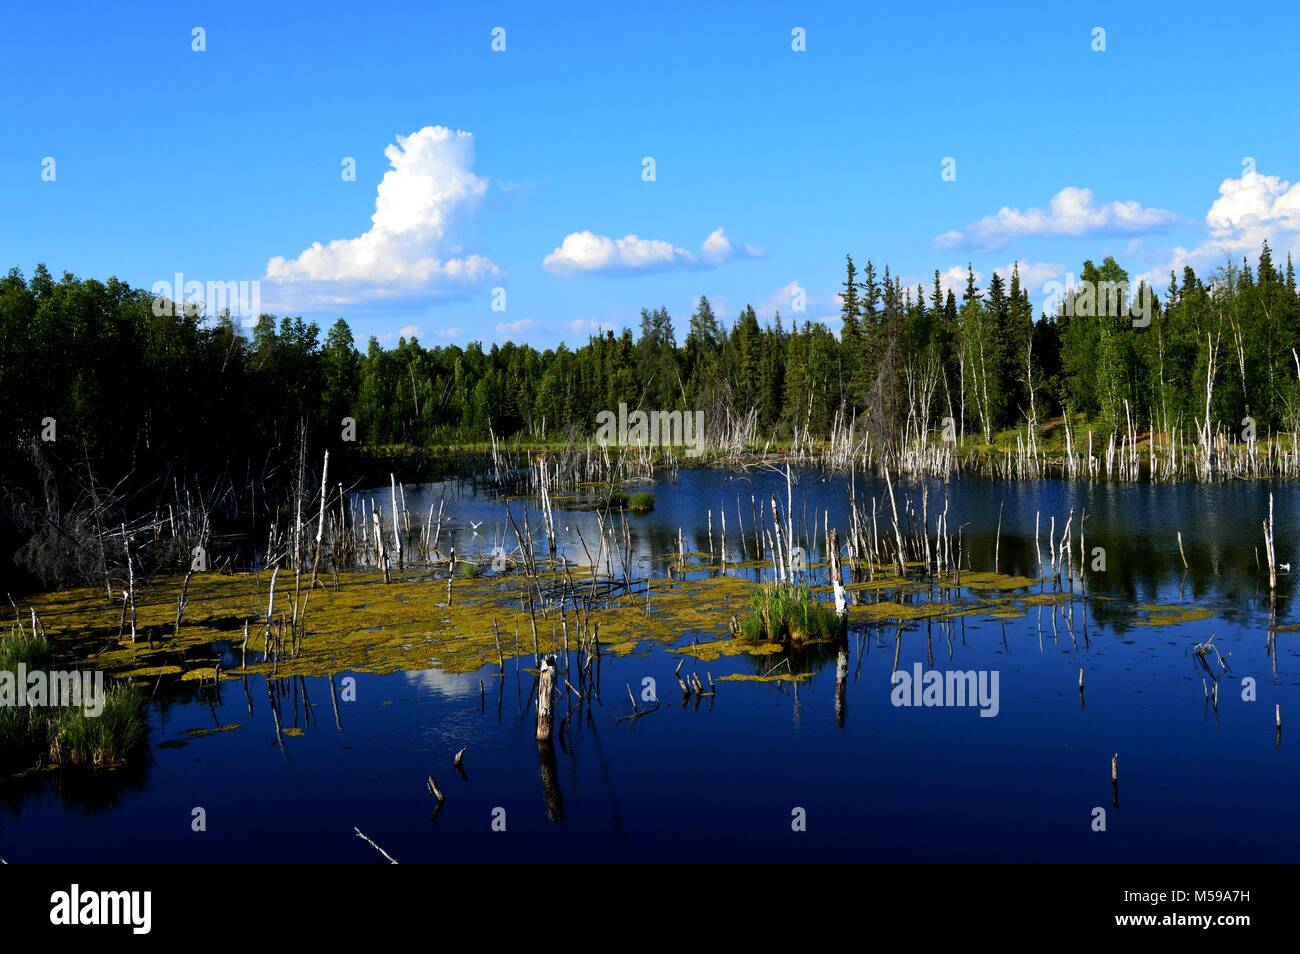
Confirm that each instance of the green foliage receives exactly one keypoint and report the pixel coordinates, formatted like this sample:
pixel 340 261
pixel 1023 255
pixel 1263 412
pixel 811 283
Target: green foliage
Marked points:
pixel 105 740
pixel 20 647
pixel 64 735
pixel 641 502
pixel 136 390
pixel 788 612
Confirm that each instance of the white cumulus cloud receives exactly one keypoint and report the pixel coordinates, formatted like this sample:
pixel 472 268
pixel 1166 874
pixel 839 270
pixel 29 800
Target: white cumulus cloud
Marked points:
pixel 412 246
pixel 515 327
pixel 1250 210
pixel 586 253
pixel 717 248
pixel 1071 212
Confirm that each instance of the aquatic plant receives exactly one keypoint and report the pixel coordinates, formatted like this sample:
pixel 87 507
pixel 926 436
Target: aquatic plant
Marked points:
pixel 23 648
pixel 102 741
pixel 641 502
pixel 29 734
pixel 788 612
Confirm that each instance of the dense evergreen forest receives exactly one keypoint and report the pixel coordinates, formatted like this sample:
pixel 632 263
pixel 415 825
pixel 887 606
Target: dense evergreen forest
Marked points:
pixel 117 405
pixel 129 388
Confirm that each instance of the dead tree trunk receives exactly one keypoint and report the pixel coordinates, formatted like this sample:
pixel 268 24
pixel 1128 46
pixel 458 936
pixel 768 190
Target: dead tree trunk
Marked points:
pixel 545 693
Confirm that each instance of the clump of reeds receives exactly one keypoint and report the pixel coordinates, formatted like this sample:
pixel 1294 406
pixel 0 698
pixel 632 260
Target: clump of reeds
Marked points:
pixel 788 612
pixel 21 647
pixel 641 502
pixel 29 734
pixel 102 741
pixel 615 500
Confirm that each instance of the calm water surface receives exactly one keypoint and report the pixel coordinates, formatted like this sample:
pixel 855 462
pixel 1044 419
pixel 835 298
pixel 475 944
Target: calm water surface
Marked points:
pixel 719 780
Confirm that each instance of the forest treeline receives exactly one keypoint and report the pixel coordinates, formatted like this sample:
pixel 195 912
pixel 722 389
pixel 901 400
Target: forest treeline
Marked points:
pixel 132 389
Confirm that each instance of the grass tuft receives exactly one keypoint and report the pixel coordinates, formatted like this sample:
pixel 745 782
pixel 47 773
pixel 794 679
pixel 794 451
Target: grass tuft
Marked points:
pixel 68 736
pixel 106 740
pixel 788 612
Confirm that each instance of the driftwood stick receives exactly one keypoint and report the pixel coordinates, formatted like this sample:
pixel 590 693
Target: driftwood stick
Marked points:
pixel 368 840
pixel 677 673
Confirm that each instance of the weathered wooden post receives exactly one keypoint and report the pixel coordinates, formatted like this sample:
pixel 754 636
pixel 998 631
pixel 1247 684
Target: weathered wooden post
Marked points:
pixel 1269 550
pixel 841 602
pixel 397 526
pixel 320 524
pixel 545 691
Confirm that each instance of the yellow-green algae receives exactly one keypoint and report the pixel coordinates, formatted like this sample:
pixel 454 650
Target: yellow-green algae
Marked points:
pixel 369 626
pixel 364 626
pixel 201 733
pixel 716 649
pixel 750 677
pixel 1171 615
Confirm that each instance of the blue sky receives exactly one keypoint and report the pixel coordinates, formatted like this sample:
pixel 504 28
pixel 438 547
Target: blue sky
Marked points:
pixel 225 165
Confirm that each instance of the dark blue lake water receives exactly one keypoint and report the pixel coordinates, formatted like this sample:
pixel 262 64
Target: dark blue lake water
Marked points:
pixel 724 778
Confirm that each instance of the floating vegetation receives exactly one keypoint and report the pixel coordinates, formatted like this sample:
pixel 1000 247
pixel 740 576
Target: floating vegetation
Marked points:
pixel 992 581
pixel 716 649
pixel 750 677
pixel 788 612
pixel 35 734
pixel 1171 615
pixel 103 741
pixel 203 733
pixel 366 625
pixel 613 499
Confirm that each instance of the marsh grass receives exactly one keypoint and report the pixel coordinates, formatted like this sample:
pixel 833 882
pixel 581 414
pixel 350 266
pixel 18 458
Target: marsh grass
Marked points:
pixel 65 735
pixel 20 647
pixel 106 740
pixel 640 502
pixel 788 612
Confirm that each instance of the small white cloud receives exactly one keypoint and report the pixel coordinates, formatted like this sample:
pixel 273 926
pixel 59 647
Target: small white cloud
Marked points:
pixel 1072 212
pixel 954 280
pixel 586 253
pixel 515 327
pixel 1249 211
pixel 950 280
pixel 591 253
pixel 717 248
pixel 589 326
pixel 412 246
pixel 949 239
pixel 449 333
pixel 783 300
pixel 1033 276
pixel 410 331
